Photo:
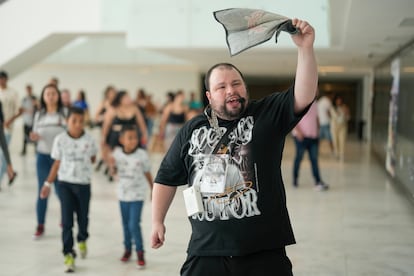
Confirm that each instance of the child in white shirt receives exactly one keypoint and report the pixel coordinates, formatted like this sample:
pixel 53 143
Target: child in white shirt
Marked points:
pixel 74 153
pixel 133 177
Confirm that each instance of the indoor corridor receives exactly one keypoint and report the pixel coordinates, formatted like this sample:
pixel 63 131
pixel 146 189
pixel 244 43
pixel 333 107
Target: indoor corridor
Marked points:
pixel 362 225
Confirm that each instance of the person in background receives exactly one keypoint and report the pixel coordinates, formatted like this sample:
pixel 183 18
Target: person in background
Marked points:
pixel 133 176
pixel 339 126
pixel 104 106
pixel 11 110
pixel 195 107
pixel 172 119
pixel 151 113
pixel 54 81
pixel 123 112
pixel 81 103
pixel 195 104
pixel 73 153
pixel 28 108
pixel 141 101
pixel 306 138
pixel 147 108
pixel 169 98
pixel 66 101
pixel 49 121
pixel 5 149
pixel 242 229
pixel 324 108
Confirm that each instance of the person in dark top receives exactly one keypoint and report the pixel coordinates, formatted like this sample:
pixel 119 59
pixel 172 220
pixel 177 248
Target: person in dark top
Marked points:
pixel 123 112
pixel 230 156
pixel 172 119
pixel 104 106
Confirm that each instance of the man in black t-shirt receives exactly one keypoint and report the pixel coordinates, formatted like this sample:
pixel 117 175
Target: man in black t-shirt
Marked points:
pixel 232 153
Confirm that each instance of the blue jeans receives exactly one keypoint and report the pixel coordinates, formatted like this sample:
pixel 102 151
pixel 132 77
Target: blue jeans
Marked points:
pixel 311 145
pixel 3 167
pixel 325 132
pixel 131 220
pixel 150 126
pixel 74 198
pixel 43 165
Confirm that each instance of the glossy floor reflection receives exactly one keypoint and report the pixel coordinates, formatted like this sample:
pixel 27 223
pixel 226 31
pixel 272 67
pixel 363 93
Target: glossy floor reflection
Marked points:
pixel 361 226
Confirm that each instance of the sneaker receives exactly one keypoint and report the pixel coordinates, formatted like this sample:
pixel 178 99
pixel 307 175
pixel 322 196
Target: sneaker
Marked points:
pixel 141 260
pixel 39 232
pixel 321 186
pixel 126 256
pixel 69 263
pixel 83 249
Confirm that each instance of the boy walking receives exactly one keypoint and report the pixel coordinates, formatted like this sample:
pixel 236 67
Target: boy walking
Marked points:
pixel 133 172
pixel 74 153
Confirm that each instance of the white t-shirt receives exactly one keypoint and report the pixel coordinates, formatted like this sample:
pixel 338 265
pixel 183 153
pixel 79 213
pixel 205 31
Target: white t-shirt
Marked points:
pixel 47 126
pixel 324 106
pixel 10 103
pixel 75 157
pixel 131 168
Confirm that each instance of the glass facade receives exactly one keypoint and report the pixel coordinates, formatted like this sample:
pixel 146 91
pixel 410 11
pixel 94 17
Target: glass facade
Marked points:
pixel 393 136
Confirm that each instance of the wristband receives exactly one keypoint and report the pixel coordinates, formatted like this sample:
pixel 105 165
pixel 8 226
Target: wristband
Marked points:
pixel 47 184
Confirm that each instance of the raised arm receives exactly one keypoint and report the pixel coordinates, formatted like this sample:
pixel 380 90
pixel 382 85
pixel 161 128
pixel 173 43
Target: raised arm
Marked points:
pixel 162 196
pixel 306 81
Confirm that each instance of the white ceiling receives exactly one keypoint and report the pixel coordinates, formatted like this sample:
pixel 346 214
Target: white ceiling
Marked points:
pixel 362 33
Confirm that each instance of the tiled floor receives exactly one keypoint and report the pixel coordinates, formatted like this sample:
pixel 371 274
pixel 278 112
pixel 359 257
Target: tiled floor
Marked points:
pixel 361 226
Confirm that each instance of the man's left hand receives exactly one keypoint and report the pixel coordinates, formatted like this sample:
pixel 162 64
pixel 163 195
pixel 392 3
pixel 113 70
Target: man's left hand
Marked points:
pixel 306 36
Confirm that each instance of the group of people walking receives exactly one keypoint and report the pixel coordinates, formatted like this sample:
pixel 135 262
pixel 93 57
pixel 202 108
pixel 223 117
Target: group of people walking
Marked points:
pixel 66 152
pixel 326 119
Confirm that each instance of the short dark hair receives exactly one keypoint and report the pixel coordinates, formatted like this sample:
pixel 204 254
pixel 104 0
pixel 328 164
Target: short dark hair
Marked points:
pixel 128 127
pixel 4 75
pixel 225 65
pixel 75 110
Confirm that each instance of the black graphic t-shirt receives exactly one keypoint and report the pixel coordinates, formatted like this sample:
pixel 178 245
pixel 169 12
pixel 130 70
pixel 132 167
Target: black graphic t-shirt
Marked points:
pixel 241 185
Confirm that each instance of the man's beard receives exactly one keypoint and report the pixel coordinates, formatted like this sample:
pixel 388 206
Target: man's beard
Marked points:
pixel 226 114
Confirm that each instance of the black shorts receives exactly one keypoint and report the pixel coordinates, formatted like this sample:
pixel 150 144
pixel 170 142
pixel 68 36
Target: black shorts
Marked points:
pixel 272 262
pixel 112 139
